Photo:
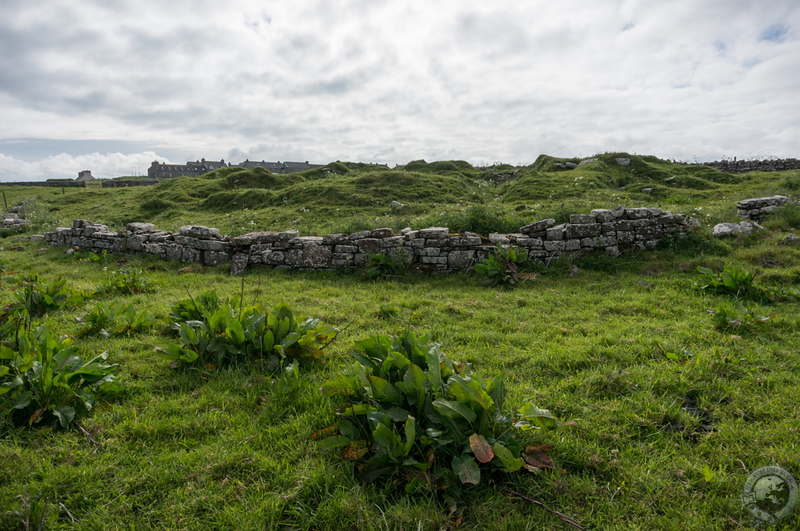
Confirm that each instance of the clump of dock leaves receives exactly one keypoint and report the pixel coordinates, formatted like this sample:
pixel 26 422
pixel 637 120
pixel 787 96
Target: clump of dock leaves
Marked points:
pixel 44 380
pixel 413 416
pixel 215 333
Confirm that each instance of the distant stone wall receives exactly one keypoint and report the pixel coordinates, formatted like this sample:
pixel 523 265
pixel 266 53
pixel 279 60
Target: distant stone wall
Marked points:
pixel 57 184
pixel 744 166
pixel 432 250
pixel 122 183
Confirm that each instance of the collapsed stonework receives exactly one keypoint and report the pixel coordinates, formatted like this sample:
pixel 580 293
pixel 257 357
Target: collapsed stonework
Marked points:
pixel 432 249
pixel 759 207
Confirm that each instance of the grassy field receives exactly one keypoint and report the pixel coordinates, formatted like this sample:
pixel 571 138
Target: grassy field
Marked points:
pixel 662 415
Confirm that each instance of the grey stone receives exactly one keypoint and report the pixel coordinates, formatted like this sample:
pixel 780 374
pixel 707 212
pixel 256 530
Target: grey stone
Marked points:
pixel 381 233
pixel 369 245
pixel 214 258
pixel 393 241
pixel 140 227
pixel 722 230
pixel 434 232
pixel 622 161
pixel 329 239
pixel 555 233
pixel 581 219
pixel 570 165
pixel 602 215
pixel 460 259
pixel 345 249
pixel 499 239
pixel 239 263
pixel 539 226
pixel 582 231
pixel 317 257
pixel 200 232
pixel 294 258
pixel 397 204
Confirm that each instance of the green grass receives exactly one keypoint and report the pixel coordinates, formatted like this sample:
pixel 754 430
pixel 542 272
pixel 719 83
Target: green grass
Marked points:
pixel 647 440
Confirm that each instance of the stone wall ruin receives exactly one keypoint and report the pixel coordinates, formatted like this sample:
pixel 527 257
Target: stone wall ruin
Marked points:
pixel 432 250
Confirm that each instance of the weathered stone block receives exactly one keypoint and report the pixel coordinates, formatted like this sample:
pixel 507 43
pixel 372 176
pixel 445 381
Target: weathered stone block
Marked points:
pixel 381 233
pixel 554 246
pixel 556 233
pixel 539 226
pixel 317 257
pixel 200 232
pixel 650 233
pixel 625 237
pixel 191 255
pixel 339 249
pixel 136 242
pixel 294 258
pixel 239 263
pixel 433 233
pixel 499 239
pixel 369 245
pixel 463 241
pixel 428 251
pixel 581 219
pixel 335 239
pixel 391 241
pixel 582 231
pixel 460 259
pixel 274 258
pixel 140 227
pixel 153 248
pixel 213 258
pixel 305 241
pixel 602 215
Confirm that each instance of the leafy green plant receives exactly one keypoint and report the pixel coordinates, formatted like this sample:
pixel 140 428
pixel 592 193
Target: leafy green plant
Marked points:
pixel 37 298
pixel 384 264
pixel 126 282
pixel 738 319
pixel 501 267
pixel 223 336
pixel 196 308
pixel 731 281
pixel 410 413
pixel 107 321
pixel 44 380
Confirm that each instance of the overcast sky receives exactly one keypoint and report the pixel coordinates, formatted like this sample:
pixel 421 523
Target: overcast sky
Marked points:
pixel 111 85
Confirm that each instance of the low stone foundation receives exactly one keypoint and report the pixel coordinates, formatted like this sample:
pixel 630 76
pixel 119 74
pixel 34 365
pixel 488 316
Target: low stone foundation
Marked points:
pixel 757 208
pixel 432 249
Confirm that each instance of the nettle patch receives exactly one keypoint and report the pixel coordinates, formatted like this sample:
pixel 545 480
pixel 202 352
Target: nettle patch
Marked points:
pixel 410 415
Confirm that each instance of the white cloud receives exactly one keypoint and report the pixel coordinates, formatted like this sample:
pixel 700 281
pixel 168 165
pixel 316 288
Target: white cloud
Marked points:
pixel 64 166
pixel 396 81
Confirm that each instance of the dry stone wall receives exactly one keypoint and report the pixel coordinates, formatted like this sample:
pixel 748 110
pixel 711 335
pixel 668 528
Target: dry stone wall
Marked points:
pixel 432 249
pixel 745 166
pixel 759 207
